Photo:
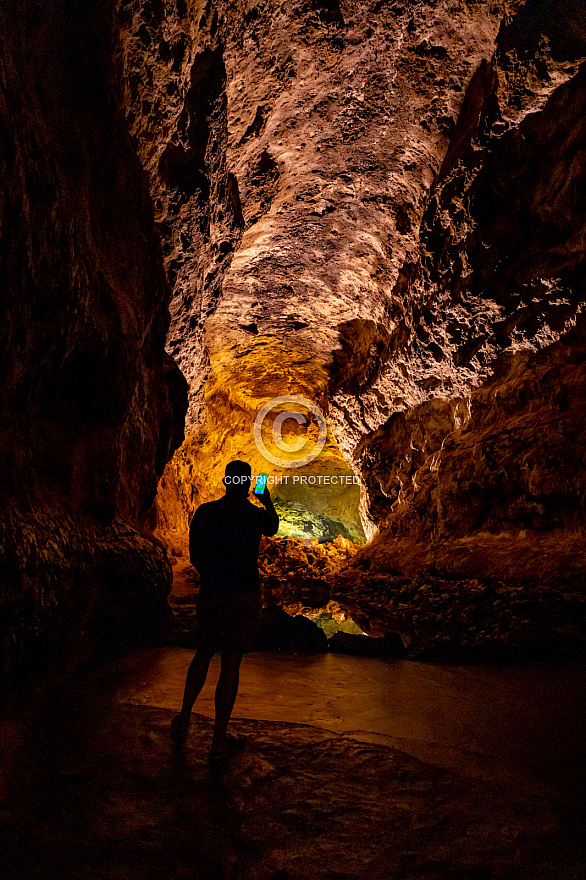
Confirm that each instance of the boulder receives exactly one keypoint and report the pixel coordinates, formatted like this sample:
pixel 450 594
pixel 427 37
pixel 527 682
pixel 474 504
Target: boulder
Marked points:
pixel 281 632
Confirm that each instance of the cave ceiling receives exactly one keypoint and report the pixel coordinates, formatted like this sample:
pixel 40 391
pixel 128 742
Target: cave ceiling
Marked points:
pixel 373 206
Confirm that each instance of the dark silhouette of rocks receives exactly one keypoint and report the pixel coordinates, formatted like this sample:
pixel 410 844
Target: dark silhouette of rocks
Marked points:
pixel 281 632
pixel 92 406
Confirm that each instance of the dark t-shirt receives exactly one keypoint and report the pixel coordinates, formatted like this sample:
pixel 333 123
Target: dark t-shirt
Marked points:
pixel 224 539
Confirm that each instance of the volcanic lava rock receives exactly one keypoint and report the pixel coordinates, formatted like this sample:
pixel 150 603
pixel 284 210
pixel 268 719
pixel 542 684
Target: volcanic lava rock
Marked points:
pixel 459 619
pixel 92 406
pixel 375 206
pixel 281 632
pixel 419 616
pixel 333 131
pixel 296 574
pixel 406 250
pixel 500 492
pixel 176 110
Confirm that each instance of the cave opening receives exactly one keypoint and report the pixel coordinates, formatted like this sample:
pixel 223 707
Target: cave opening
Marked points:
pixel 266 405
pixel 297 520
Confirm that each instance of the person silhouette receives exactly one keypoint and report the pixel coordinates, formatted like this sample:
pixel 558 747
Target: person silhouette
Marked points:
pixel 224 540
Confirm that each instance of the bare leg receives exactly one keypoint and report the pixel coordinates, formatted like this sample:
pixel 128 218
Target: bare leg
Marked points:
pixel 195 680
pixel 226 691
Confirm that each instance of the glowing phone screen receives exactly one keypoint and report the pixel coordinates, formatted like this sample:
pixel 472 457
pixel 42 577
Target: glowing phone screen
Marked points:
pixel 261 482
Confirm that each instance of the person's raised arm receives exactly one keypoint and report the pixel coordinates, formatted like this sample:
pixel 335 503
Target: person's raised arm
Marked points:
pixel 195 553
pixel 267 501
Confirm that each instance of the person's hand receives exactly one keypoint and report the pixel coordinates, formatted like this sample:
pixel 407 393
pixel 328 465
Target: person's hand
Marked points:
pixel 267 501
pixel 265 498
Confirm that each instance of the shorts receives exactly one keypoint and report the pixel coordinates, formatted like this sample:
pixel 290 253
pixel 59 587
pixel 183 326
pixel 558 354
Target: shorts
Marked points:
pixel 227 623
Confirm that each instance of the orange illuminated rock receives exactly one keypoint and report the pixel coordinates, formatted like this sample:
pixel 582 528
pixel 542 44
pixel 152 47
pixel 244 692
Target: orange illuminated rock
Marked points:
pixel 289 178
pixel 379 209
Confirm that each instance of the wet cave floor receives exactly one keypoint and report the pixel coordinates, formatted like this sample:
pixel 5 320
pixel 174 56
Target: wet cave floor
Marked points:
pixel 354 768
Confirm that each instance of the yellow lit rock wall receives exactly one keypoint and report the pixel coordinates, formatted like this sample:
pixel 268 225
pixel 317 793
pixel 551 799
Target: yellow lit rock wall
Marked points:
pixel 242 380
pixel 379 208
pixel 289 209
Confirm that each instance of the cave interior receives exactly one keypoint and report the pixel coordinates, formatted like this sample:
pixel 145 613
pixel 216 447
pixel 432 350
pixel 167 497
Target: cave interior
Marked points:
pixel 344 242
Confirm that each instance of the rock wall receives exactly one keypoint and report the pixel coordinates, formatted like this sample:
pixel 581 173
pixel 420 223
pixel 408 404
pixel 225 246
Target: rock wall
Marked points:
pixel 92 406
pixel 335 120
pixel 376 206
pixel 175 102
pixel 501 292
pixel 406 250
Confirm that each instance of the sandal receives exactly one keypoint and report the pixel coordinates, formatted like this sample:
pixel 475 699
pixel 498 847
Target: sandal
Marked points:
pixel 180 726
pixel 234 745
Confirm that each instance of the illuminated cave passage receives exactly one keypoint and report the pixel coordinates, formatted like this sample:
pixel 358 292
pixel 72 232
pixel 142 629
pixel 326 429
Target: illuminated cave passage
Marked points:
pixel 298 521
pixel 384 223
pixel 399 243
pixel 316 492
pixel 263 231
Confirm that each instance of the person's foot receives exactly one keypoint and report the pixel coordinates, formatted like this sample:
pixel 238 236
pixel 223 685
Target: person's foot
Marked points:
pixel 231 745
pixel 180 726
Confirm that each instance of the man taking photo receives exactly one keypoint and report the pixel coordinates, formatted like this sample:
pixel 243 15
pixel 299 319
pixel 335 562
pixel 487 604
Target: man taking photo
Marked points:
pixel 224 540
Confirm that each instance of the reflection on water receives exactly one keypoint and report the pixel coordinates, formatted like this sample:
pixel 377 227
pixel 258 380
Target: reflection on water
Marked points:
pixel 526 720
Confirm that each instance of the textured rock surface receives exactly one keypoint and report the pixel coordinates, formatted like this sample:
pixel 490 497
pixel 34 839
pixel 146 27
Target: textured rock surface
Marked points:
pixel 91 404
pixel 101 790
pixel 467 613
pixel 175 99
pixel 376 206
pixel 502 492
pixel 407 252
pixel 334 129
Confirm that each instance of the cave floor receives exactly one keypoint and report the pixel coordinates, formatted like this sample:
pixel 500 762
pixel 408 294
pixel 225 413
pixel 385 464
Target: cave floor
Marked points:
pixel 355 768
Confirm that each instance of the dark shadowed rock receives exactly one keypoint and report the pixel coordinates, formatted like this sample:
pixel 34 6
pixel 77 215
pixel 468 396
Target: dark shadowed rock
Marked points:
pixel 92 407
pixel 281 632
pixel 363 646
